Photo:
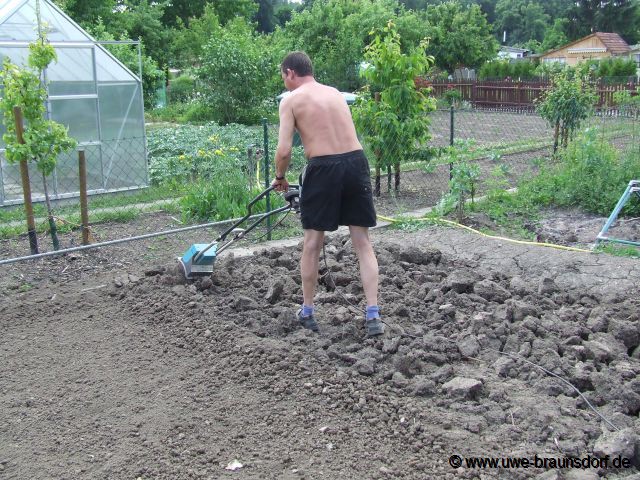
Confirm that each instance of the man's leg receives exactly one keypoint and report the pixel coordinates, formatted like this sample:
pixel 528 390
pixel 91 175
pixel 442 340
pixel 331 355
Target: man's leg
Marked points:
pixel 369 275
pixel 368 263
pixel 311 248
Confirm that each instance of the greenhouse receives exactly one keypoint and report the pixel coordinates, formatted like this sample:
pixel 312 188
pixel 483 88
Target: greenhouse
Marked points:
pixel 91 92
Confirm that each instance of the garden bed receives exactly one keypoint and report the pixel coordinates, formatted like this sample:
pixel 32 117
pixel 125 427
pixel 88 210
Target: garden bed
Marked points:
pixel 115 367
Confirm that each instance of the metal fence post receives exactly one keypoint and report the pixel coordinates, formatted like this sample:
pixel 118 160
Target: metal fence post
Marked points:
pixel 451 138
pixel 267 178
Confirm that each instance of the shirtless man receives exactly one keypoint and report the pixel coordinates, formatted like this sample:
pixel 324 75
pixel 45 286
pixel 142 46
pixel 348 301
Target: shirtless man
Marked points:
pixel 336 188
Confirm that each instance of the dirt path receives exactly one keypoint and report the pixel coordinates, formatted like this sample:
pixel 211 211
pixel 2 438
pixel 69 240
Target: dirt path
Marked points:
pixel 125 371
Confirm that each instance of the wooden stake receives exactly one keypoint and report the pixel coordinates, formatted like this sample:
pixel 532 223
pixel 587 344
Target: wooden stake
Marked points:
pixel 84 205
pixel 26 185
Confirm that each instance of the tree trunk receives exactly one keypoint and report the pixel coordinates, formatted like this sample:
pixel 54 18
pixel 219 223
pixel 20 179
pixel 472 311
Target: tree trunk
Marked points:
pixel 52 222
pixel 397 177
pixel 377 184
pixel 461 208
pixel 556 137
pixel 565 137
pixel 388 178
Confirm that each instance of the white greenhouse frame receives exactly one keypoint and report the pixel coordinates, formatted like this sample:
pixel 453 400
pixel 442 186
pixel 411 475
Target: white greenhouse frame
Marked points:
pixel 92 93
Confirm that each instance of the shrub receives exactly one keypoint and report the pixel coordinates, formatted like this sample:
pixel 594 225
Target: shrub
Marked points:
pixel 591 174
pixel 235 74
pixel 225 198
pixel 181 89
pixel 565 105
pixel 188 153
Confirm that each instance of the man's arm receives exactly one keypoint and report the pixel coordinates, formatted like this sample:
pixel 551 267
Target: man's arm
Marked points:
pixel 285 137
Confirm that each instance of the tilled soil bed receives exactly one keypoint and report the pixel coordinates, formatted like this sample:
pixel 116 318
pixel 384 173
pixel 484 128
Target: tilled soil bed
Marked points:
pixel 135 373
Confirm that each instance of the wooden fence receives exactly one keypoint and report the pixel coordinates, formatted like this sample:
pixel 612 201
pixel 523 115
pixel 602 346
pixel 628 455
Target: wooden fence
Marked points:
pixel 514 94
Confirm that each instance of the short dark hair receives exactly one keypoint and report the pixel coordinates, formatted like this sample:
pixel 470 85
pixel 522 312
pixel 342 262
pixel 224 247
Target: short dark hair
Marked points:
pixel 299 62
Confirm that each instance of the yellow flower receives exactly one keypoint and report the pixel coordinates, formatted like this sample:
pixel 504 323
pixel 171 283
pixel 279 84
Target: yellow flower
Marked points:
pixel 218 152
pixel 233 149
pixel 201 153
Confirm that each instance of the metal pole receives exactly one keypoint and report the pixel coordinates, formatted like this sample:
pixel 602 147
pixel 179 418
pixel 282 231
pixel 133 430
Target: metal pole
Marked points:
pixel 451 139
pixel 84 208
pixel 266 173
pixel 123 240
pixel 26 185
pixel 144 132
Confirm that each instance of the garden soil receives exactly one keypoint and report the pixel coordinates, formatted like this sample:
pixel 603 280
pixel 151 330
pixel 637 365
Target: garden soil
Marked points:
pixel 113 366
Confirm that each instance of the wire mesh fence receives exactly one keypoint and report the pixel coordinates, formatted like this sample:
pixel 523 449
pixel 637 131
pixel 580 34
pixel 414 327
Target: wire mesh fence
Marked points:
pixel 194 175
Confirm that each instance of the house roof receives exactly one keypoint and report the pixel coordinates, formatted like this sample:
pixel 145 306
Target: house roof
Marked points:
pixel 505 48
pixel 612 42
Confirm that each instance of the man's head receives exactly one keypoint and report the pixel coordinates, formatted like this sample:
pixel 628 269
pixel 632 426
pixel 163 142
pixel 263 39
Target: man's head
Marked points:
pixel 295 67
pixel 299 62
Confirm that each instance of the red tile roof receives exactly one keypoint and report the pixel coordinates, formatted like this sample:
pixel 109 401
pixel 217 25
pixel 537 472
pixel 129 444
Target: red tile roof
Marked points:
pixel 614 43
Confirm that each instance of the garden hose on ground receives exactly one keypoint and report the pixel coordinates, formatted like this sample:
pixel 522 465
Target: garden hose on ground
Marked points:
pixel 495 237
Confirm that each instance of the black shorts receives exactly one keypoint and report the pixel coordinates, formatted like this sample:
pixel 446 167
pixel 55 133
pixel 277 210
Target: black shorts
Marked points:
pixel 336 190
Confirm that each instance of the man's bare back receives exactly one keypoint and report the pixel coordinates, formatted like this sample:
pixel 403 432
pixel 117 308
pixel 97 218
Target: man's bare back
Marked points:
pixel 321 116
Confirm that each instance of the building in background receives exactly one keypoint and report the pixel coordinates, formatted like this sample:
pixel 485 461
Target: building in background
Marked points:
pixel 596 46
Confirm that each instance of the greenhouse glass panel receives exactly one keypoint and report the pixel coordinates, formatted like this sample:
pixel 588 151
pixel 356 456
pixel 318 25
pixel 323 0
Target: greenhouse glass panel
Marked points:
pixel 80 115
pixel 90 92
pixel 74 64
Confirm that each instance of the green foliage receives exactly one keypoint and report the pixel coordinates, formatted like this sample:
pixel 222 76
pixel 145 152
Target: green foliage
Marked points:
pixel 608 67
pixel 181 89
pixel 566 105
pixel 189 39
pixel 128 55
pixel 593 175
pixel 334 33
pixel 184 13
pixel 188 153
pixel 621 16
pixel 590 175
pixel 44 139
pixel 226 198
pixel 464 178
pixel 459 36
pixel 395 123
pixel 522 20
pixel 520 70
pixel 618 250
pixel 627 102
pixel 235 74
pixel 554 36
pixel 452 96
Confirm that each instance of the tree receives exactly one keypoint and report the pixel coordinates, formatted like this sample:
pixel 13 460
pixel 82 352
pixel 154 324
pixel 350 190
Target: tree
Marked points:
pixel 188 42
pixel 43 139
pixel 283 10
pixel 142 19
pixel 89 12
pixel 334 33
pixel 568 102
pixel 555 37
pixel 619 16
pixel 264 17
pixel 235 73
pixel 522 20
pixel 128 55
pixel 459 36
pixel 181 13
pixel 394 120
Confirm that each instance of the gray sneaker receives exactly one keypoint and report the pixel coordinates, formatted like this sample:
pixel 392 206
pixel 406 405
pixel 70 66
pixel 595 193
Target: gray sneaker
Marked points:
pixel 307 321
pixel 374 327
